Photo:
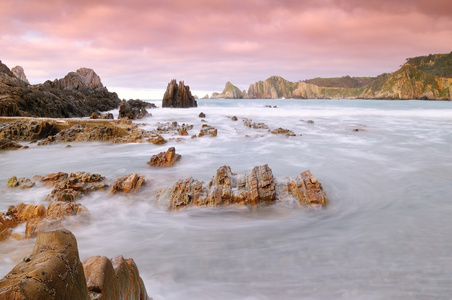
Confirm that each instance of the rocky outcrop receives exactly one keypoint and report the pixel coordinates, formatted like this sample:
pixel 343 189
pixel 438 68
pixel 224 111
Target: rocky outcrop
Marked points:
pixel 18 71
pixel 284 131
pixel 230 91
pixel 7 144
pixel 30 130
pixel 207 130
pixel 178 96
pixel 173 128
pixel 115 278
pixel 255 187
pixel 54 271
pixel 165 159
pixel 22 182
pixel 77 95
pixel 128 184
pixel 134 109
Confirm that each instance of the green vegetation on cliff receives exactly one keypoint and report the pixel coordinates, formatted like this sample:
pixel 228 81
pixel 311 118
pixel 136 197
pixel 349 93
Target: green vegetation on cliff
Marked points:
pixel 435 64
pixel 341 82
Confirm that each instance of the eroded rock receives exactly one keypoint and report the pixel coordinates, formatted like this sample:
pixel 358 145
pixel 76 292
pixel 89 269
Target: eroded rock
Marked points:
pixel 128 184
pixel 165 159
pixel 307 189
pixel 178 96
pixel 22 182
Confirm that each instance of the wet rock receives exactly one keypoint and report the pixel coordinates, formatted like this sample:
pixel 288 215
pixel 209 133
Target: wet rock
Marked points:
pixel 134 109
pixel 52 178
pixel 24 212
pixel 128 184
pixel 94 116
pixel 117 278
pixel 234 118
pixel 76 185
pixel 207 130
pixel 173 128
pixel 165 159
pixel 307 189
pixel 284 131
pixel 178 96
pixel 202 115
pixel 310 121
pixel 249 123
pixel 7 144
pixel 4 229
pixel 185 193
pixel 52 271
pixel 26 130
pixel 107 116
pixel 23 183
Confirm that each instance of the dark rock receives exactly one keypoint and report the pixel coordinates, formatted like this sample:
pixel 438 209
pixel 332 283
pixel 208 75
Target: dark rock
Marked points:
pixel 134 109
pixel 165 159
pixel 202 115
pixel 7 144
pixel 27 130
pixel 178 96
pixel 234 118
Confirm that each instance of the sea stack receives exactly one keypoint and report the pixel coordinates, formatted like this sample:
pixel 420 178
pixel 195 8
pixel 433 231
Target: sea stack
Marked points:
pixel 178 96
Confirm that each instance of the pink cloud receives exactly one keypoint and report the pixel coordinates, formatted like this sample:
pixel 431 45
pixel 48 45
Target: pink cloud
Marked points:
pixel 144 44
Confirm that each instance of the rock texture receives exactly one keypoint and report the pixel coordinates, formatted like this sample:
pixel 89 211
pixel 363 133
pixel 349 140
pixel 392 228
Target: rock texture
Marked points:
pixel 178 96
pixel 255 187
pixel 230 92
pixel 78 94
pixel 19 72
pixel 128 184
pixel 7 144
pixel 54 271
pixel 134 109
pixel 165 159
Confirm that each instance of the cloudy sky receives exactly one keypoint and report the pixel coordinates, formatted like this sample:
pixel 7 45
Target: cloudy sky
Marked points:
pixel 138 46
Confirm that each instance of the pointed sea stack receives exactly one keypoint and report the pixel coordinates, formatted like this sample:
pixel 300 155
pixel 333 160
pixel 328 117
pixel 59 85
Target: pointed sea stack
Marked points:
pixel 178 96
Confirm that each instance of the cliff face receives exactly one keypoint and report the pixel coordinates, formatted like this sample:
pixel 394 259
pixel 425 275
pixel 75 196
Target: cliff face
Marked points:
pixel 178 96
pixel 78 94
pixel 416 79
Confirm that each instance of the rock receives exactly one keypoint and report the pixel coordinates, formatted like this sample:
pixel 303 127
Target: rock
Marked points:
pixel 185 193
pixel 206 96
pixel 280 130
pixel 230 91
pixel 307 190
pixel 165 159
pixel 23 183
pixel 7 144
pixel 18 71
pixel 76 95
pixel 234 118
pixel 52 271
pixel 128 184
pixel 25 212
pixel 117 278
pixel 310 121
pixel 178 96
pixel 4 229
pixel 76 185
pixel 134 109
pixel 52 178
pixel 107 116
pixel 94 116
pixel 249 123
pixel 202 115
pixel 26 131
pixel 207 130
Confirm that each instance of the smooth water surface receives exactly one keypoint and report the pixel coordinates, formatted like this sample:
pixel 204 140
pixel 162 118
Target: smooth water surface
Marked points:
pixel 386 234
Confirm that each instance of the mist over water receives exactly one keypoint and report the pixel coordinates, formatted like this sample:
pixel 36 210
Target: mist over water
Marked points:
pixel 386 233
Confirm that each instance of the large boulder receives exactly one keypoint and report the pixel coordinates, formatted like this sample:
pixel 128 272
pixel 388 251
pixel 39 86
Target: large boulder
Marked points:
pixel 134 109
pixel 165 159
pixel 178 96
pixel 307 189
pixel 52 271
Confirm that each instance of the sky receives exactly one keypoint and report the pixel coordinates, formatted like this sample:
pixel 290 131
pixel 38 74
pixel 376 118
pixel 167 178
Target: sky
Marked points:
pixel 138 46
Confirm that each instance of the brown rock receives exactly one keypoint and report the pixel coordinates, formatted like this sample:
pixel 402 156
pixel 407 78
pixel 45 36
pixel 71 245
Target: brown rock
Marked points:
pixel 52 271
pixel 234 118
pixel 307 190
pixel 165 159
pixel 4 230
pixel 207 130
pixel 128 184
pixel 25 212
pixel 53 178
pixel 23 183
pixel 280 130
pixel 94 116
pixel 107 116
pixel 202 115
pixel 7 144
pixel 178 96
pixel 185 193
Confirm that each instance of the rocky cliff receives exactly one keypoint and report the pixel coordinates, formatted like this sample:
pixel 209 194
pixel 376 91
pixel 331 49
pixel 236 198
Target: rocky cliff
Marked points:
pixel 78 94
pixel 230 92
pixel 178 96
pixel 19 72
pixel 425 77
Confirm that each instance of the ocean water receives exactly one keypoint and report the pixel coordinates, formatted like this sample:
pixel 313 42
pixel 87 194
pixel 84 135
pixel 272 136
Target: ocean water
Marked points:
pixel 386 234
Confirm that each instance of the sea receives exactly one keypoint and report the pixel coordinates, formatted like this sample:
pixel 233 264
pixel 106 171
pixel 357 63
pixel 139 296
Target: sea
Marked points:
pixel 386 167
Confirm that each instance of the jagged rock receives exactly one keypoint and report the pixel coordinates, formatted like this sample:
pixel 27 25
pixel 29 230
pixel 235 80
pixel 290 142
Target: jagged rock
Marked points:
pixel 307 189
pixel 128 184
pixel 117 278
pixel 77 95
pixel 76 185
pixel 249 123
pixel 24 212
pixel 52 178
pixel 18 71
pixel 207 130
pixel 202 115
pixel 134 109
pixel 107 116
pixel 165 159
pixel 284 131
pixel 4 229
pixel 174 127
pixel 94 116
pixel 7 144
pixel 230 91
pixel 178 96
pixel 23 183
pixel 26 131
pixel 52 271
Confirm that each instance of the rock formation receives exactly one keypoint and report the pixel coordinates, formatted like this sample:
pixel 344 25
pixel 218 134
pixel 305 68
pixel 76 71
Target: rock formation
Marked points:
pixel 54 271
pixel 134 109
pixel 7 144
pixel 128 184
pixel 230 91
pixel 178 96
pixel 78 94
pixel 165 159
pixel 18 71
pixel 254 187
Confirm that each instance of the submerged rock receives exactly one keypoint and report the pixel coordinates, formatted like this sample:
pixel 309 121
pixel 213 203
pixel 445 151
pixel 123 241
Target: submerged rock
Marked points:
pixel 128 184
pixel 23 183
pixel 178 96
pixel 207 130
pixel 7 144
pixel 286 132
pixel 165 159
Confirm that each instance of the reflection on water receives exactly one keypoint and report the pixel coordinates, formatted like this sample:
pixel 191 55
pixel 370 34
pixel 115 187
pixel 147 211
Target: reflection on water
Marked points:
pixel 385 234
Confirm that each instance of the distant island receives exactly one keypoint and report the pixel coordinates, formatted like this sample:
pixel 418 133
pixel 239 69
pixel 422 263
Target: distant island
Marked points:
pixel 423 77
